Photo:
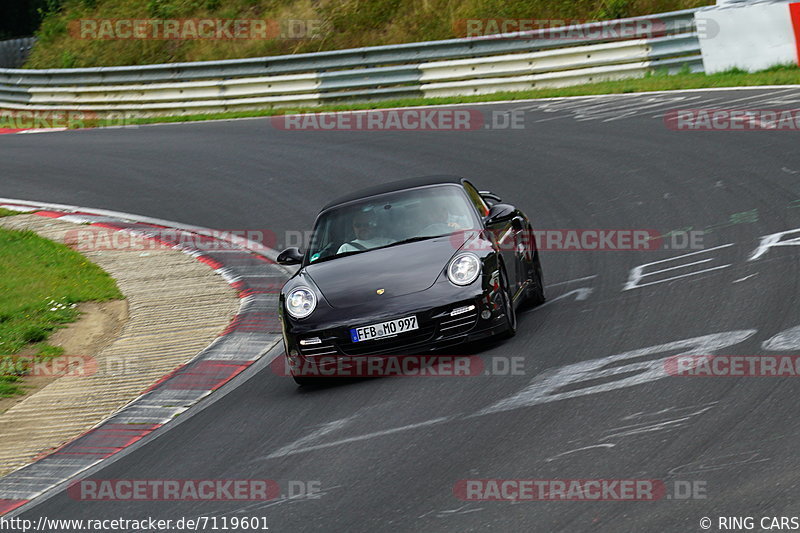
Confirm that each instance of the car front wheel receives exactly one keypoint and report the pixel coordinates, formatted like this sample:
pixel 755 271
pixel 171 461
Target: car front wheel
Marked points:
pixel 535 291
pixel 508 306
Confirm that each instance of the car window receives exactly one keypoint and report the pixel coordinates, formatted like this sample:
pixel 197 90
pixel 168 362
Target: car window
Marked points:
pixel 476 199
pixel 391 219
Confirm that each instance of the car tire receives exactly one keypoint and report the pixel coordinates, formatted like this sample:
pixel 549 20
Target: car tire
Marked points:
pixel 535 292
pixel 508 305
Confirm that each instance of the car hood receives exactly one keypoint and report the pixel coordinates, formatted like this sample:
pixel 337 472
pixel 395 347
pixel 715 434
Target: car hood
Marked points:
pixel 398 270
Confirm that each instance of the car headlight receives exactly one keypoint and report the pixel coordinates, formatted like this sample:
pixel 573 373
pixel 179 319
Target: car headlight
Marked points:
pixel 464 269
pixel 301 302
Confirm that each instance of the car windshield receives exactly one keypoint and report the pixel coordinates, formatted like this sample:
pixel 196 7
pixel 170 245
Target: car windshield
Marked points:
pixel 390 219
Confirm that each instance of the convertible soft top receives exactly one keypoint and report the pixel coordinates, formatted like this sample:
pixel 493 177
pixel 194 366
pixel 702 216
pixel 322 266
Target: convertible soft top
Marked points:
pixel 392 186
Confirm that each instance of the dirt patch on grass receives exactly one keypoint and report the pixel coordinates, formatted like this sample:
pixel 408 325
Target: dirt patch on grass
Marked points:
pixel 99 325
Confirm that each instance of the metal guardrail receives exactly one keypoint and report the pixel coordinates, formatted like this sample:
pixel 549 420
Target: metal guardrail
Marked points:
pixel 505 62
pixel 14 52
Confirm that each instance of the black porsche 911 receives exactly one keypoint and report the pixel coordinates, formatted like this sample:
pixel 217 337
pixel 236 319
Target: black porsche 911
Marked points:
pixel 407 267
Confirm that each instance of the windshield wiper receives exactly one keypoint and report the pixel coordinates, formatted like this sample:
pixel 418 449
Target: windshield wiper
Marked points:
pixel 412 239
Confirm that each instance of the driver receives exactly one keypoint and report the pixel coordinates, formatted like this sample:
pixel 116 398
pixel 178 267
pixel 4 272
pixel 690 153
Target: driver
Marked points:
pixel 364 227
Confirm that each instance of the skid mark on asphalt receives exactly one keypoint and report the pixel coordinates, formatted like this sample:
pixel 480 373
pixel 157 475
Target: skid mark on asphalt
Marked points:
pixel 638 429
pixel 670 410
pixel 644 427
pixel 447 513
pixel 719 462
pixel 576 450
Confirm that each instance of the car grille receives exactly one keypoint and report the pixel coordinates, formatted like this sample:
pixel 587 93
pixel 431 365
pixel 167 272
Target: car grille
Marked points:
pixel 458 324
pixel 326 348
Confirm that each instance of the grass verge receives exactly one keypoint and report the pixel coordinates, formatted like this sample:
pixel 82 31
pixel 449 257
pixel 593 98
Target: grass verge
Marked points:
pixel 41 283
pixel 779 75
pixel 7 212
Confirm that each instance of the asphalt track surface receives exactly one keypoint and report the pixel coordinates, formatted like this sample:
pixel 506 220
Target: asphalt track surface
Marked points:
pixel 388 452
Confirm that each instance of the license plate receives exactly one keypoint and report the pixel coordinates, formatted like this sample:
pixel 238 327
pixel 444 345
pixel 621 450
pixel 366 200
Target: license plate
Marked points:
pixel 384 329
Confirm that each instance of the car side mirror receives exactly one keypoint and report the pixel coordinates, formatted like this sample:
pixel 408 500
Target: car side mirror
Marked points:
pixel 290 256
pixel 500 213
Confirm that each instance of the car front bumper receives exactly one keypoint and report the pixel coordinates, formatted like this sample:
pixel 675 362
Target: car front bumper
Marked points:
pixel 438 328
